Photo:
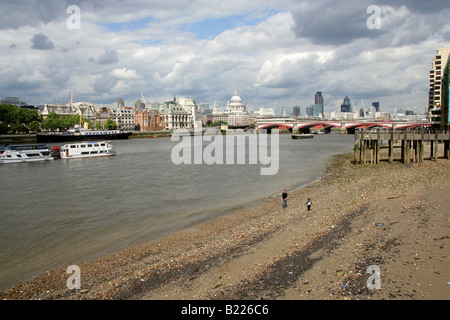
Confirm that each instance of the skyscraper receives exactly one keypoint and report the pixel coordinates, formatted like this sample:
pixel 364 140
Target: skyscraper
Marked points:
pixel 436 89
pixel 445 118
pixel 296 111
pixel 376 105
pixel 318 100
pixel 346 106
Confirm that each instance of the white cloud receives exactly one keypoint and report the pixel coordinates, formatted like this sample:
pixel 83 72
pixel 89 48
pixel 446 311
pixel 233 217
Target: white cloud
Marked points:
pixel 124 74
pixel 279 51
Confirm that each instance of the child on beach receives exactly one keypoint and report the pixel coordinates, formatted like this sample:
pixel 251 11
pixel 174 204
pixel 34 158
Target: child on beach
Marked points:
pixel 284 198
pixel 309 203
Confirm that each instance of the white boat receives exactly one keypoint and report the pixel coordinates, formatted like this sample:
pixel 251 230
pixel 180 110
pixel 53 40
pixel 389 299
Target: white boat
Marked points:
pixel 25 153
pixel 87 150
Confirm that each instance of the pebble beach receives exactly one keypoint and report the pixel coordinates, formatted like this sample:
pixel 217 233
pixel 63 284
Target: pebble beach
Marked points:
pixel 392 216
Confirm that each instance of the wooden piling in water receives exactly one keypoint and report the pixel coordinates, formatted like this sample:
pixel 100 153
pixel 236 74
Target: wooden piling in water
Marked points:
pixel 368 145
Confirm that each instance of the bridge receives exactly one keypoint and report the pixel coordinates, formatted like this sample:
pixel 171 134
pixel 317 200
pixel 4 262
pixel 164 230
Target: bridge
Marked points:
pixel 326 125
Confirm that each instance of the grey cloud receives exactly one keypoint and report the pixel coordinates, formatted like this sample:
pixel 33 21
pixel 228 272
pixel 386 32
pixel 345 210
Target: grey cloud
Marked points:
pixel 42 42
pixel 104 84
pixel 18 13
pixel 110 57
pixel 419 6
pixel 332 22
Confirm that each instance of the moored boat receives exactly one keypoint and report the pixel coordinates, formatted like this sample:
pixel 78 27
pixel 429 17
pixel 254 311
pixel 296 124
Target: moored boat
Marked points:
pixel 302 136
pixel 87 149
pixel 78 133
pixel 25 153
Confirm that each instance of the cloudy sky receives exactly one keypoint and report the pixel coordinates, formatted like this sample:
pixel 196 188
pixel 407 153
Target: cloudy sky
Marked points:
pixel 274 52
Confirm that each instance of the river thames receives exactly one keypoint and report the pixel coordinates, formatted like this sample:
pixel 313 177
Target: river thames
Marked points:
pixel 63 212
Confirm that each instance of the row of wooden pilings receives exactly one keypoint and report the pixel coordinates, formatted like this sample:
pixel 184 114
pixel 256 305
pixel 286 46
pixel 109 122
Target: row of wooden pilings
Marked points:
pixel 412 143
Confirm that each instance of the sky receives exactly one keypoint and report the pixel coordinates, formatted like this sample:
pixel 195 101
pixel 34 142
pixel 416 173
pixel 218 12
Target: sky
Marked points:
pixel 275 53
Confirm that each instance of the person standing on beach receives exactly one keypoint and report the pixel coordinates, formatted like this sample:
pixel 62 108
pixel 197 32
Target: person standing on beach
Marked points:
pixel 284 198
pixel 309 203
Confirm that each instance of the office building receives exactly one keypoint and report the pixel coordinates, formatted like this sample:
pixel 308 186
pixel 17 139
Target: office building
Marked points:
pixel 435 102
pixel 445 97
pixel 318 101
pixel 376 105
pixel 346 106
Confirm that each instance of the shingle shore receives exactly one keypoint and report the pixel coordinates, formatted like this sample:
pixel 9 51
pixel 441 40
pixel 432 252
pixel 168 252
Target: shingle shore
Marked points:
pixel 391 215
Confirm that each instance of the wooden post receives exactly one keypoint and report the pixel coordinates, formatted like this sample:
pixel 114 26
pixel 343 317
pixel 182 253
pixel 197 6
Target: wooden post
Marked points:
pixel 408 151
pixel 363 151
pixel 432 150
pixel 377 151
pixel 403 152
pixel 414 152
pixel 361 147
pixel 447 149
pixel 379 142
pixel 422 144
pixel 391 147
pixel 436 142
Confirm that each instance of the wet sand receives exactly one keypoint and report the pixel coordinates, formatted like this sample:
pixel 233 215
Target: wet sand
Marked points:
pixel 391 216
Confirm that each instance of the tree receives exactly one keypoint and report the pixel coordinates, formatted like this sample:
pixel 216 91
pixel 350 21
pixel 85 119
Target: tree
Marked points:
pixel 218 123
pixel 110 125
pixel 35 126
pixel 14 119
pixel 62 122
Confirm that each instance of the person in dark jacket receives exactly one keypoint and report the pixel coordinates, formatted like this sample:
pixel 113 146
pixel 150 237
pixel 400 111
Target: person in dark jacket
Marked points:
pixel 284 198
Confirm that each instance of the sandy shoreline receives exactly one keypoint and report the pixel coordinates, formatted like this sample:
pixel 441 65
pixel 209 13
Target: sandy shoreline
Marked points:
pixel 393 216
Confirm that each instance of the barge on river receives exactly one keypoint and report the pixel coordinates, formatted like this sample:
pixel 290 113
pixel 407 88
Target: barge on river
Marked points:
pixel 302 136
pixel 78 133
pixel 86 150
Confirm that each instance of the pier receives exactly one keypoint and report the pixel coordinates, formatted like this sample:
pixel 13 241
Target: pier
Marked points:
pixel 412 144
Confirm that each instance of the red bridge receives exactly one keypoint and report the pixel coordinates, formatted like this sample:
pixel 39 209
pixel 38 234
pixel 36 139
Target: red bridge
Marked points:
pixel 326 125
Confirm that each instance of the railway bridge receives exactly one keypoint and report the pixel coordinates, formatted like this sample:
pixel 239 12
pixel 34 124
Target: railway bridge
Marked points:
pixel 326 125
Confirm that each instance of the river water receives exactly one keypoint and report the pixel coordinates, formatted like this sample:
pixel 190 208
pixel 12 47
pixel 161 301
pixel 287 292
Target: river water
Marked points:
pixel 62 212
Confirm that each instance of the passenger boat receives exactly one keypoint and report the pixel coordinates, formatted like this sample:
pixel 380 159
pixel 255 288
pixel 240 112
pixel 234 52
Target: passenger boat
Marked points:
pixel 302 136
pixel 78 133
pixel 25 153
pixel 88 149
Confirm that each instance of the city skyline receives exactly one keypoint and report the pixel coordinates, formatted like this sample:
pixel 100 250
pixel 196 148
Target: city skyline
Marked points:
pixel 273 52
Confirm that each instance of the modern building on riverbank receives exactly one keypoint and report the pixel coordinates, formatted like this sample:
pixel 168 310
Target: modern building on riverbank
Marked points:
pixel 14 101
pixel 436 93
pixel 445 113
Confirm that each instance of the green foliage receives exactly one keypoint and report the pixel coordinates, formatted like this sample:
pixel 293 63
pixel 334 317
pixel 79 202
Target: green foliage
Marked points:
pixel 14 119
pixel 218 123
pixel 62 122
pixel 98 126
pixel 110 124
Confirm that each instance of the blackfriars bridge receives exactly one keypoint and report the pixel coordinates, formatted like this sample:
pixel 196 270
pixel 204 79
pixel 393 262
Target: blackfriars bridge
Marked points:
pixel 348 126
